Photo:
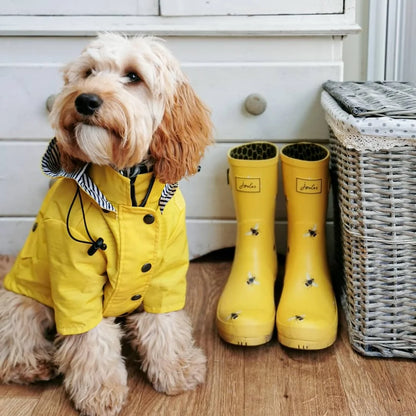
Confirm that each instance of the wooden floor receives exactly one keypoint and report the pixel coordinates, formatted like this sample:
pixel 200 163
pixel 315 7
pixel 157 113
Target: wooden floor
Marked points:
pixel 248 381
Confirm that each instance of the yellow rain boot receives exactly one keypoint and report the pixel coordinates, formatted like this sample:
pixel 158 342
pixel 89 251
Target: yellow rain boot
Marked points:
pixel 246 308
pixel 307 316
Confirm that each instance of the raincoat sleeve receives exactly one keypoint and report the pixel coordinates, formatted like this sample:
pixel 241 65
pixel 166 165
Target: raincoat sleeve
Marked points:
pixel 167 289
pixel 76 280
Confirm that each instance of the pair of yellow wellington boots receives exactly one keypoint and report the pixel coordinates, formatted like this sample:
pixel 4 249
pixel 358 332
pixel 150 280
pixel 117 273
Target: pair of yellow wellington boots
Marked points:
pixel 307 315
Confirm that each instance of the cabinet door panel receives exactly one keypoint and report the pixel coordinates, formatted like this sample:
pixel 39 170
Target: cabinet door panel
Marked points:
pixel 79 7
pixel 249 7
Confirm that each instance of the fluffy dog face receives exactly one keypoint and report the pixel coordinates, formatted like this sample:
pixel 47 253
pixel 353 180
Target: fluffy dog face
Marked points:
pixel 125 100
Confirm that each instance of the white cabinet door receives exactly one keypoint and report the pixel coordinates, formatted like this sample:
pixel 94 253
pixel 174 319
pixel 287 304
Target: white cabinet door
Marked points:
pixel 249 7
pixel 79 7
pixel 292 91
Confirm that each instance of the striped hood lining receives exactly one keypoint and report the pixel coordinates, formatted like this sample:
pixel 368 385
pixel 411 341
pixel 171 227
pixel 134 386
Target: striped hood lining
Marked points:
pixel 51 166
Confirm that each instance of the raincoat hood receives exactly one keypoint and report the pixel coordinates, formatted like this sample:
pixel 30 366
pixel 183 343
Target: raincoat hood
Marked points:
pixel 51 166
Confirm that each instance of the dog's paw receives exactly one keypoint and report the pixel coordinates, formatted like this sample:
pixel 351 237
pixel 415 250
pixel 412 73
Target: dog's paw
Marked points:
pixel 26 348
pixel 106 401
pixel 95 376
pixel 186 373
pixel 27 373
pixel 25 363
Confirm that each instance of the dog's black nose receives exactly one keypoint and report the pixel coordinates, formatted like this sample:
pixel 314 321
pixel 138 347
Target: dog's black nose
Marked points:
pixel 88 104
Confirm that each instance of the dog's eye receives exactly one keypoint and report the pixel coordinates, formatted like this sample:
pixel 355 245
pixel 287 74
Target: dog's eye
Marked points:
pixel 87 73
pixel 133 77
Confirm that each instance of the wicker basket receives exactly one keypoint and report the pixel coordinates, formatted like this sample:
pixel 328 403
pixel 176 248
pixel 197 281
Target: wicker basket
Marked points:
pixel 373 163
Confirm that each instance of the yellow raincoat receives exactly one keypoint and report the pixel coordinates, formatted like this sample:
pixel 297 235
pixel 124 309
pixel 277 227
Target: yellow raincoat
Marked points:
pixel 145 259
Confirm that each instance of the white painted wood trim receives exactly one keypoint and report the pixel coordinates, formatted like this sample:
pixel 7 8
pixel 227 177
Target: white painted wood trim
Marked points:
pixel 401 42
pixel 394 39
pixel 377 32
pixel 391 40
pixel 305 25
pixel 407 69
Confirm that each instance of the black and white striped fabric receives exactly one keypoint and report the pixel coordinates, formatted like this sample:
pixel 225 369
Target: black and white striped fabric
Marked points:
pixel 167 193
pixel 51 166
pixel 143 167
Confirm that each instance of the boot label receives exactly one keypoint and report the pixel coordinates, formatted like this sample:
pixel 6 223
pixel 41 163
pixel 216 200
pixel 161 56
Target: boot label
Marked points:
pixel 247 184
pixel 308 186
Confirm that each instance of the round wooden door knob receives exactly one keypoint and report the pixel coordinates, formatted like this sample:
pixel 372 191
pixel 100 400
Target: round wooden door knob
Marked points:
pixel 255 104
pixel 49 102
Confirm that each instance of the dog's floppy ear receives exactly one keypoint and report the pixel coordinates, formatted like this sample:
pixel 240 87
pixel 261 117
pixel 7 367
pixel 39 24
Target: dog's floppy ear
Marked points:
pixel 179 142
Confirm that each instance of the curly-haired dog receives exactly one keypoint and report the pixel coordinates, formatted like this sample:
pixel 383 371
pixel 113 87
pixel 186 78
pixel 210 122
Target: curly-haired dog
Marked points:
pixel 107 255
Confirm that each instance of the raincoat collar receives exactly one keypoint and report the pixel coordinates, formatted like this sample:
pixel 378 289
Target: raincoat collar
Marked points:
pixel 107 186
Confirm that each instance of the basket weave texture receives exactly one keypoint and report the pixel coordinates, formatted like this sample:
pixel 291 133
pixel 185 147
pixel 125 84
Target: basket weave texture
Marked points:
pixel 365 99
pixel 375 225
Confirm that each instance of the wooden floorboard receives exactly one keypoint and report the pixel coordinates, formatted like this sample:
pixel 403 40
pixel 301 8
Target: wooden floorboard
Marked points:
pixel 269 380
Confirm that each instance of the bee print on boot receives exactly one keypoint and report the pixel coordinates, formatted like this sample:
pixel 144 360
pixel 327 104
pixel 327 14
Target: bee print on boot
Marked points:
pixel 254 230
pixel 233 315
pixel 297 318
pixel 251 280
pixel 312 232
pixel 310 282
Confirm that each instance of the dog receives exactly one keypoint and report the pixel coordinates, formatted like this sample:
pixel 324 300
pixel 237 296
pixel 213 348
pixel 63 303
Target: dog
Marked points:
pixel 107 257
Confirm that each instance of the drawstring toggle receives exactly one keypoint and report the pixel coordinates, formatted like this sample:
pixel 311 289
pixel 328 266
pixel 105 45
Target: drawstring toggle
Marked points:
pixel 99 244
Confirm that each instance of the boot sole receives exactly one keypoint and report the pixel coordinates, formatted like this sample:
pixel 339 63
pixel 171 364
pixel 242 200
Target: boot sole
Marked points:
pixel 319 343
pixel 312 337
pixel 245 341
pixel 246 333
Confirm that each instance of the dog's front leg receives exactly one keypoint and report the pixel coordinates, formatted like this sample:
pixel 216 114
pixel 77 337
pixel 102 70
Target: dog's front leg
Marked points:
pixel 169 356
pixel 95 376
pixel 26 353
